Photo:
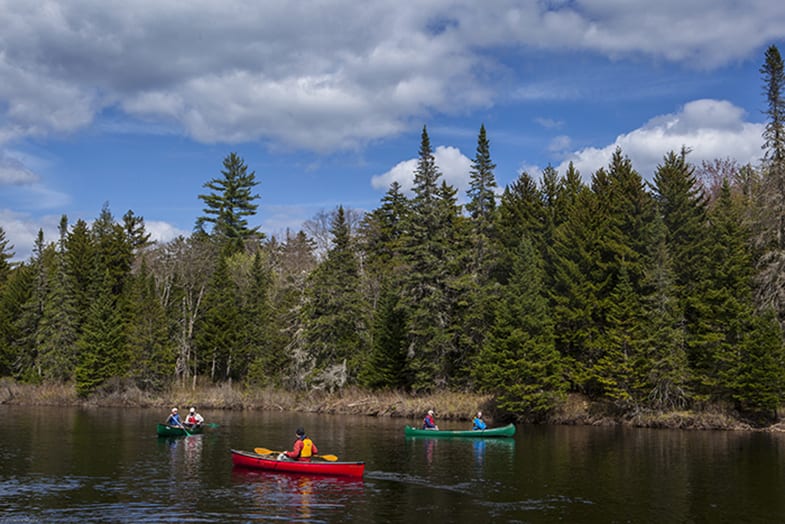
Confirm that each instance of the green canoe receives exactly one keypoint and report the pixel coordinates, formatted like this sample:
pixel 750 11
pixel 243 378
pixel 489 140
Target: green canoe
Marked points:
pixel 172 431
pixel 503 431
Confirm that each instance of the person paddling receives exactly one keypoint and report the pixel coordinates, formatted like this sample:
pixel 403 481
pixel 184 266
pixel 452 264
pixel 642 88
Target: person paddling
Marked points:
pixel 174 419
pixel 303 449
pixel 429 422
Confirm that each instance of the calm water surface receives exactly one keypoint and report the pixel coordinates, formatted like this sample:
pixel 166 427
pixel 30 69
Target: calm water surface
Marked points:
pixel 103 465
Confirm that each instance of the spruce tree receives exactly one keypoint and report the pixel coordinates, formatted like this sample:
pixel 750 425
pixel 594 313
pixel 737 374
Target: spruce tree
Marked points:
pixel 662 372
pixel 426 299
pixel 264 353
pixel 229 203
pixel 518 362
pixel 386 366
pixel 217 330
pixel 482 204
pixel 773 72
pixel 334 315
pixel 102 344
pixel 57 330
pixel 770 219
pixel 150 347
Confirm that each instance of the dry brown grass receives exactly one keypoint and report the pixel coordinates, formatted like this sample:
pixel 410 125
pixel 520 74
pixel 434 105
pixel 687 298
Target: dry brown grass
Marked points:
pixel 576 410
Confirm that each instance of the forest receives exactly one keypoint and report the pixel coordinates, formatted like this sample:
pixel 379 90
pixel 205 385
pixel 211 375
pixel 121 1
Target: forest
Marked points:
pixel 659 294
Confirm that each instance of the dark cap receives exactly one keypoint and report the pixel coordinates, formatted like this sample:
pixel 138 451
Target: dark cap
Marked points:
pixel 300 432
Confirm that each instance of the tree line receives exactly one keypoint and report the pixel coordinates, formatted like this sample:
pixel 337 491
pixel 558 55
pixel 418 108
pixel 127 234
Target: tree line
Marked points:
pixel 656 295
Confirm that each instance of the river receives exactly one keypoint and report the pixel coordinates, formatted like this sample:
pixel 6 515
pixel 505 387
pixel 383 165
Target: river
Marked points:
pixel 106 465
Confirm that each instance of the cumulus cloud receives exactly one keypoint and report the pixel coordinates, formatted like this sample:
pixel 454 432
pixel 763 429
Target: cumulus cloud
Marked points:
pixel 711 129
pixel 279 72
pixel 453 165
pixel 21 230
pixel 163 231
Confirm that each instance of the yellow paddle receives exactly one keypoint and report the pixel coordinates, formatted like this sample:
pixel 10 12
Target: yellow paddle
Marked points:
pixel 265 451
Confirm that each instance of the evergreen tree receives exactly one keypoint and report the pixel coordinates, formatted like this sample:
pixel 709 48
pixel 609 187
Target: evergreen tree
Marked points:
pixel 724 304
pixel 27 322
pixel 265 353
pixel 102 345
pixel 14 295
pixel 57 330
pixel 426 248
pixel 482 203
pixel 662 371
pixel 217 331
pixel 229 203
pixel 150 346
pixel 81 266
pixel 135 231
pixel 770 220
pixel 6 254
pixel 519 363
pixel 386 366
pixel 773 72
pixel 334 316
pixel 578 278
pixel 620 343
pixel 682 205
pixel 758 380
pixel 520 215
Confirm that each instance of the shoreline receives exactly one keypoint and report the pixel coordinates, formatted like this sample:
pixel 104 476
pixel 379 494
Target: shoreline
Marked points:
pixel 577 410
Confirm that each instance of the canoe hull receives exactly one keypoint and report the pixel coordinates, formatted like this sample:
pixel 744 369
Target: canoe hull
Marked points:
pixel 168 431
pixel 267 462
pixel 500 432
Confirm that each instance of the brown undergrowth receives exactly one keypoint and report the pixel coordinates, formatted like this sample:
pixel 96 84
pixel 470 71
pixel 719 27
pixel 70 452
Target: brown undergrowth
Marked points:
pixel 576 410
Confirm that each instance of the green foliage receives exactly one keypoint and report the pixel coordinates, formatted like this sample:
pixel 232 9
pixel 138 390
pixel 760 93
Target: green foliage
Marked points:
pixel 102 345
pixel 757 380
pixel 518 362
pixel 218 330
pixel 149 342
pixel 386 367
pixel 335 315
pixel 229 203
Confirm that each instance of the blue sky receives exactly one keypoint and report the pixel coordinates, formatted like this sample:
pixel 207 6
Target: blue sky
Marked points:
pixel 136 104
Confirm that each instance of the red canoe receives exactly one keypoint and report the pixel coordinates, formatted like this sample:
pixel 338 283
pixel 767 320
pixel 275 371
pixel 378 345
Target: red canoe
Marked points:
pixel 269 462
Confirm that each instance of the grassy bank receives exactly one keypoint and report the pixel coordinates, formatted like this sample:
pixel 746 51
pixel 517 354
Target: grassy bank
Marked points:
pixel 577 410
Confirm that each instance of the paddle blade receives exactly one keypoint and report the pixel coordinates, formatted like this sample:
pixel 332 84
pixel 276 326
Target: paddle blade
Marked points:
pixel 331 458
pixel 213 425
pixel 265 451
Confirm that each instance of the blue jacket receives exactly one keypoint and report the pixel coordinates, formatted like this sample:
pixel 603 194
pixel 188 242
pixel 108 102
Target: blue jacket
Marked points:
pixel 478 423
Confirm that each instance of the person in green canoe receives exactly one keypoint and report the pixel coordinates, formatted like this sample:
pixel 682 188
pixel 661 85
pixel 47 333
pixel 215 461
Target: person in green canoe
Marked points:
pixel 428 422
pixel 478 423
pixel 174 419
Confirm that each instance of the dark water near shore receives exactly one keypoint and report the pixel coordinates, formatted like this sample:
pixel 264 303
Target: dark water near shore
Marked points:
pixel 101 465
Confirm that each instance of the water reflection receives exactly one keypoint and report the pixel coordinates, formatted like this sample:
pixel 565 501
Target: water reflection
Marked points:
pixel 298 497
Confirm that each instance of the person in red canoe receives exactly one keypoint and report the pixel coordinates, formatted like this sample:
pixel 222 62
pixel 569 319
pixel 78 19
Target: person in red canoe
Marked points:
pixel 303 450
pixel 428 422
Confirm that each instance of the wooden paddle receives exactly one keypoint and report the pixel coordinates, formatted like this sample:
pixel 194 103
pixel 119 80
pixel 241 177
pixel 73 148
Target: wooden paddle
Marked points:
pixel 265 451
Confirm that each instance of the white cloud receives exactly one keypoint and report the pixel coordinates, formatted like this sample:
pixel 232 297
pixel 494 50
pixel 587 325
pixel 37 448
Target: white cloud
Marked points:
pixel 453 165
pixel 21 231
pixel 711 129
pixel 163 231
pixel 276 71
